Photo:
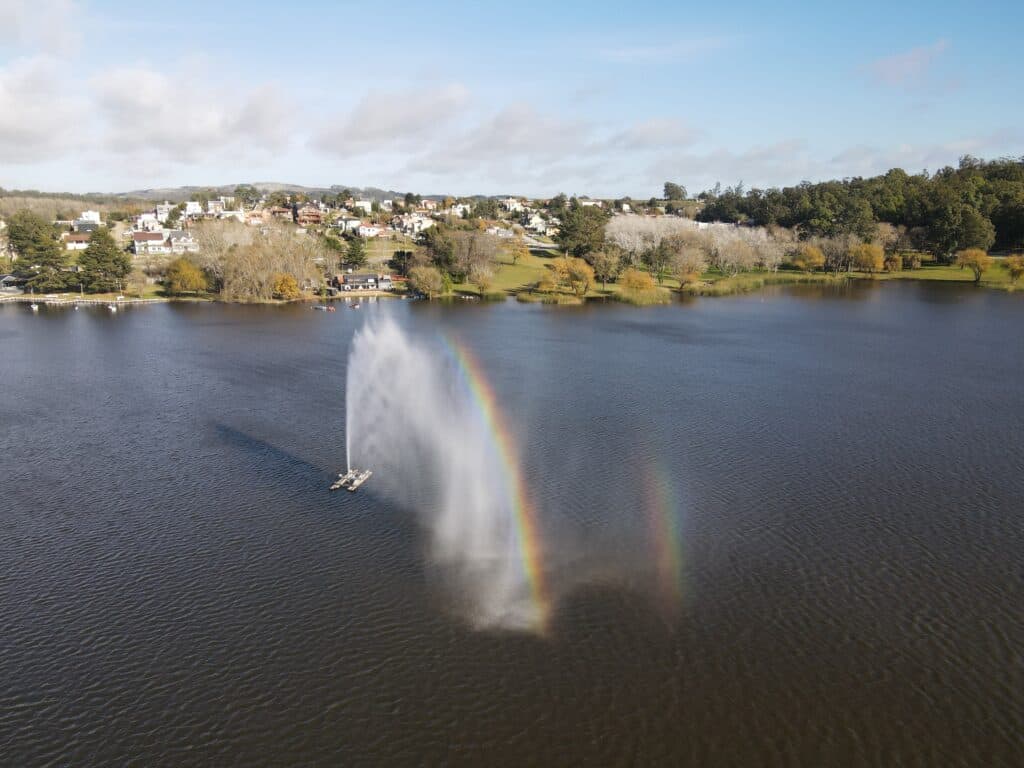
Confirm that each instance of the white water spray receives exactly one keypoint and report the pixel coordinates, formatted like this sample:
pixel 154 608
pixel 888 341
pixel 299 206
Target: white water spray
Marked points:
pixel 412 419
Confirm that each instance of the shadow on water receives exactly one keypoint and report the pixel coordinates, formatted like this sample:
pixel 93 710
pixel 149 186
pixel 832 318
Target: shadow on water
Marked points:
pixel 295 465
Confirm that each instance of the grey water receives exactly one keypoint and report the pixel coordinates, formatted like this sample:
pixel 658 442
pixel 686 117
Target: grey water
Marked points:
pixel 780 529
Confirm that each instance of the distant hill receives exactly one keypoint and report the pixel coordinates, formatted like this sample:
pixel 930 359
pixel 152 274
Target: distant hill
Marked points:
pixel 179 194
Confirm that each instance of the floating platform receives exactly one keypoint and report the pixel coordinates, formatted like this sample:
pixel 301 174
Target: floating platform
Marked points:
pixel 351 479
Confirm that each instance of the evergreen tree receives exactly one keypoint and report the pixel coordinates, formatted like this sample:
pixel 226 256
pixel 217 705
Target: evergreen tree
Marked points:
pixel 41 259
pixel 356 256
pixel 103 266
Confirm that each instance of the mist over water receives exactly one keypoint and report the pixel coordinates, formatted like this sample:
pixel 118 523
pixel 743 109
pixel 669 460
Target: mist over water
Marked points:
pixel 414 420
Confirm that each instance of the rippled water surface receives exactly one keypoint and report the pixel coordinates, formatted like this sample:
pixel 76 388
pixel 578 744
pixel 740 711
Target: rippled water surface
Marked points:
pixel 784 529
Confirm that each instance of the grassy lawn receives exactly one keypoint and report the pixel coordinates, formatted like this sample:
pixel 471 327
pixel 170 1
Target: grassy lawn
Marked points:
pixel 379 250
pixel 995 277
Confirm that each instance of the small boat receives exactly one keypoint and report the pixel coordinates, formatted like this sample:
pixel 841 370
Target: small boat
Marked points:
pixel 351 479
pixel 34 307
pixel 112 307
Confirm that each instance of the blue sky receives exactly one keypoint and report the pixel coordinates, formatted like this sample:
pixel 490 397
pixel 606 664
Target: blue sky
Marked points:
pixel 531 98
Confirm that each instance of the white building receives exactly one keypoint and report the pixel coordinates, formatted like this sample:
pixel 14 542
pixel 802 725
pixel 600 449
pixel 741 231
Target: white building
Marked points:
pixel 148 222
pixel 193 209
pixel 90 216
pixel 163 211
pixel 364 205
pixel 512 204
pixel 368 230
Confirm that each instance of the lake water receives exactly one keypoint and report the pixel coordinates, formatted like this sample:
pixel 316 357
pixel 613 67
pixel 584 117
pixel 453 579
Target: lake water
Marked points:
pixel 782 529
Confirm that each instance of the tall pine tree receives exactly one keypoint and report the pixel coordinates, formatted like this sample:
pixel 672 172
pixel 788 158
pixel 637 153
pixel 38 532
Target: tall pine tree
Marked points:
pixel 41 259
pixel 103 266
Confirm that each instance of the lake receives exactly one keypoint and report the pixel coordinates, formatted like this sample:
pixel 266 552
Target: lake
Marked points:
pixel 779 529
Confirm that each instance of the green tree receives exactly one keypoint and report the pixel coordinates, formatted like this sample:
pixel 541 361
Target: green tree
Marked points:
pixel 174 216
pixel 426 280
pixel 582 230
pixel 182 276
pixel 674 191
pixel 247 194
pixel 103 266
pixel 607 264
pixel 356 255
pixel 41 259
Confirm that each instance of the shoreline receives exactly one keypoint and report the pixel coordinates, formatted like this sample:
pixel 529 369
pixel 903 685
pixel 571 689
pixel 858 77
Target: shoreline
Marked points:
pixel 743 284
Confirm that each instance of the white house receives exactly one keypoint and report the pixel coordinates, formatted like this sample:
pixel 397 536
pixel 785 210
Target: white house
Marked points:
pixel 181 241
pixel 215 207
pixel 163 211
pixel 76 241
pixel 91 216
pixel 148 222
pixel 368 230
pixel 512 204
pixel 591 204
pixel 193 209
pixel 364 205
pixel 347 224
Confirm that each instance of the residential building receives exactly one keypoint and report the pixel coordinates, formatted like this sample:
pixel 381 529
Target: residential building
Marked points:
pixel 76 241
pixel 369 230
pixel 144 243
pixel 366 206
pixel 163 211
pixel 90 216
pixel 193 209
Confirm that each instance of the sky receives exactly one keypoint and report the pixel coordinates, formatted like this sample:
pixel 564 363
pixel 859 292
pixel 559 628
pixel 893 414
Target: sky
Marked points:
pixel 598 98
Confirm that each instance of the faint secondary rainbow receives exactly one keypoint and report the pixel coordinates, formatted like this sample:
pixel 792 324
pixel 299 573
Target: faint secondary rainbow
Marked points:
pixel 524 515
pixel 666 538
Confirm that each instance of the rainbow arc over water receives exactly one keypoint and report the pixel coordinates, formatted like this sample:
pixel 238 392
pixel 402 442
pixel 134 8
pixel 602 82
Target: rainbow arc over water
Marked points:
pixel 524 516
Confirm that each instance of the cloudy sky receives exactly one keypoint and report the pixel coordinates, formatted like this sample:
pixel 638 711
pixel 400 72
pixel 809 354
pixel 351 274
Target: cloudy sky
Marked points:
pixel 599 98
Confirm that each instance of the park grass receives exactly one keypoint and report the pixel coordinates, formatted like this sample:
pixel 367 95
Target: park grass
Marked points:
pixel 995 277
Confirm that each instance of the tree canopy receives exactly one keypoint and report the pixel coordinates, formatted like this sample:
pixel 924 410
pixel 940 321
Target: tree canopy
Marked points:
pixel 979 204
pixel 103 266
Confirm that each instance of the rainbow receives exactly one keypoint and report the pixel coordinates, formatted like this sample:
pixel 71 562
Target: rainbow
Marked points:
pixel 666 539
pixel 527 529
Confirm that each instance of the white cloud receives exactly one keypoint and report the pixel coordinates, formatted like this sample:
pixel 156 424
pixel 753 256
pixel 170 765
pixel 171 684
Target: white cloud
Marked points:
pixel 386 121
pixel 47 25
pixel 183 120
pixel 37 118
pixel 907 68
pixel 518 136
pixel 655 133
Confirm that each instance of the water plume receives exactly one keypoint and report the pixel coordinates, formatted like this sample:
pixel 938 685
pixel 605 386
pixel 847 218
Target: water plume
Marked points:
pixel 421 415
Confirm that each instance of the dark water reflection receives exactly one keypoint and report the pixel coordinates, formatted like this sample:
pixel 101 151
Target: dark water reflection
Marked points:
pixel 844 476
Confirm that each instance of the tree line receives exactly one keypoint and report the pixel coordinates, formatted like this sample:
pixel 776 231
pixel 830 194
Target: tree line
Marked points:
pixel 979 204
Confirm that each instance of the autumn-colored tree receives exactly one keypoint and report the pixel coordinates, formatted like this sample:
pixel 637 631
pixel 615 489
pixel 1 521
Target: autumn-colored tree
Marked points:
pixel 975 260
pixel 286 287
pixel 868 257
pixel 426 280
pixel 518 250
pixel 1015 266
pixel 183 276
pixel 809 258
pixel 580 276
pixel 636 280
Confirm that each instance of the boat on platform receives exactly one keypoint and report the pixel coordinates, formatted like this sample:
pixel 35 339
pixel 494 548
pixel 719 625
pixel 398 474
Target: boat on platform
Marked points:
pixel 351 479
